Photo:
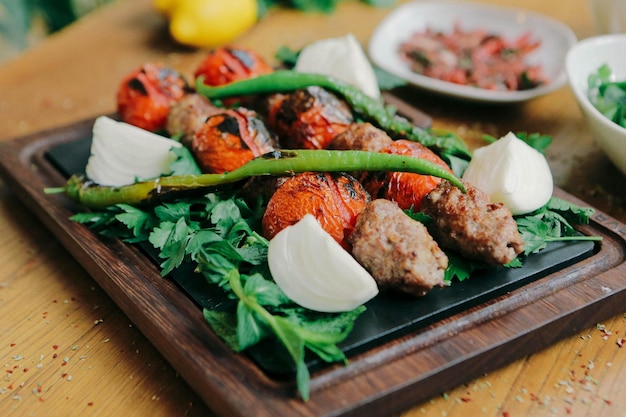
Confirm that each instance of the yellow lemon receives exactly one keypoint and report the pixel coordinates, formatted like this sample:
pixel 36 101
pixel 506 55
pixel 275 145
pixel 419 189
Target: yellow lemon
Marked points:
pixel 209 23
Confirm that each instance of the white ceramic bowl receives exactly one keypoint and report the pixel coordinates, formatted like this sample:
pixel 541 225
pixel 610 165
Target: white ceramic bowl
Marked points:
pixel 584 59
pixel 555 37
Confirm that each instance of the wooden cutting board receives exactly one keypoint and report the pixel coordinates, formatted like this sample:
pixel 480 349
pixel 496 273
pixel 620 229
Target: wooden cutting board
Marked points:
pixel 381 380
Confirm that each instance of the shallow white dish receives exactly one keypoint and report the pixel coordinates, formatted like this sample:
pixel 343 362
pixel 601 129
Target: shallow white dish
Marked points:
pixel 556 38
pixel 583 60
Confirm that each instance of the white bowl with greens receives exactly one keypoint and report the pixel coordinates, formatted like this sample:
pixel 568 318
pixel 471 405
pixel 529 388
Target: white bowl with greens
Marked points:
pixel 596 68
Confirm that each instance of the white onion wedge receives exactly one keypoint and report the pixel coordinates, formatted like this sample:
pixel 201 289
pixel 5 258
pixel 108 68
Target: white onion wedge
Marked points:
pixel 121 153
pixel 511 172
pixel 342 58
pixel 315 271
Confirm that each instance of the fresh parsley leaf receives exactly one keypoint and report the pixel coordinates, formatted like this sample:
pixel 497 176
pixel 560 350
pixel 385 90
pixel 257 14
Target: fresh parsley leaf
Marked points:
pixel 172 239
pixel 552 223
pixel 287 56
pixel 386 80
pixel 249 330
pixel 225 325
pixel 458 267
pixel 535 140
pixel 184 163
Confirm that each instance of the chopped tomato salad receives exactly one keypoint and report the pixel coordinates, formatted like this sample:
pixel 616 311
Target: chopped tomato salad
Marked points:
pixel 475 58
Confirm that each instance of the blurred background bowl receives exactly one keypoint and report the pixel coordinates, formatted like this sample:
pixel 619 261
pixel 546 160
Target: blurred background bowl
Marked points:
pixel 554 36
pixel 583 60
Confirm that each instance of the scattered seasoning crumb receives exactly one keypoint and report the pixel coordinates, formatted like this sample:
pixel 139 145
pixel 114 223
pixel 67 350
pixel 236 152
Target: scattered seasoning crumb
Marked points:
pixel 96 322
pixel 89 404
pixel 620 342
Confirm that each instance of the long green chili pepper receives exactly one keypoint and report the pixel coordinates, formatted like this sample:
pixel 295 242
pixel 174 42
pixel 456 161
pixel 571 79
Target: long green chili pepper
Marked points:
pixel 362 104
pixel 274 163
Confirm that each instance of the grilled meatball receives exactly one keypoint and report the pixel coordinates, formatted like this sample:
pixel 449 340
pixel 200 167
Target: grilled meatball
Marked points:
pixel 230 139
pixel 361 137
pixel 335 199
pixel 405 188
pixel 472 225
pixel 398 251
pixel 308 118
pixel 188 115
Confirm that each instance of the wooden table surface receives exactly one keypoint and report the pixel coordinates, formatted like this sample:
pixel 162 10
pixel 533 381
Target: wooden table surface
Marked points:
pixel 67 350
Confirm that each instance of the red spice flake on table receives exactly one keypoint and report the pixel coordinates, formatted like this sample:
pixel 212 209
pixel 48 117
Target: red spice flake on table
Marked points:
pixel 474 58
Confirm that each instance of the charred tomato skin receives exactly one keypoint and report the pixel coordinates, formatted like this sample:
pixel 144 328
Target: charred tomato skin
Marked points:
pixel 146 95
pixel 231 63
pixel 309 118
pixel 334 199
pixel 230 139
pixel 405 188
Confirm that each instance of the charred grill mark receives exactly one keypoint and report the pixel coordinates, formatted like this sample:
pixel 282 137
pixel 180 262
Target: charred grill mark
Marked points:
pixel 137 85
pixel 229 125
pixel 243 57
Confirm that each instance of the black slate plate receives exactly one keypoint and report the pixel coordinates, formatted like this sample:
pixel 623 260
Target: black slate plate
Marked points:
pixel 386 317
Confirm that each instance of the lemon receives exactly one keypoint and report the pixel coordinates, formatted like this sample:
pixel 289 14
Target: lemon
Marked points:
pixel 208 23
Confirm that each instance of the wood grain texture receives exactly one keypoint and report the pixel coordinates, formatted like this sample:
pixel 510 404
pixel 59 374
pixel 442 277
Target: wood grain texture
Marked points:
pixel 385 379
pixel 48 299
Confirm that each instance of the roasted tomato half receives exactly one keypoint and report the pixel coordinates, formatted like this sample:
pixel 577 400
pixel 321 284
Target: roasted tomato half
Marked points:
pixel 405 188
pixel 146 95
pixel 335 199
pixel 309 118
pixel 230 139
pixel 233 63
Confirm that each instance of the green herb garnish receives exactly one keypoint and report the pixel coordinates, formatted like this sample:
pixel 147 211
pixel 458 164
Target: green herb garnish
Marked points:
pixel 607 95
pixel 216 234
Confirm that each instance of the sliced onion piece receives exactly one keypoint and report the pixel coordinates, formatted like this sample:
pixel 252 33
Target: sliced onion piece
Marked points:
pixel 342 58
pixel 315 271
pixel 122 153
pixel 511 172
